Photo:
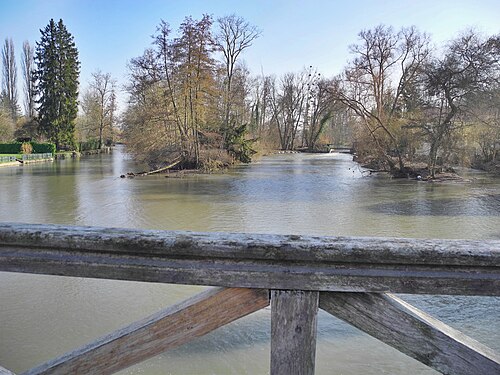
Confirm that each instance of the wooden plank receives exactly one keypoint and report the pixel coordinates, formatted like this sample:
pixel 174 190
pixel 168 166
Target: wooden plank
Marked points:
pixel 378 250
pixel 164 330
pixel 293 332
pixel 412 332
pixel 254 261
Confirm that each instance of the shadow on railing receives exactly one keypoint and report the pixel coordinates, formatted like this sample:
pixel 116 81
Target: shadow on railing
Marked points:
pixel 349 278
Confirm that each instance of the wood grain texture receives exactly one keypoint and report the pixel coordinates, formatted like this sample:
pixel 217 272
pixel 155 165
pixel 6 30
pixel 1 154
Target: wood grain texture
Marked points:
pixel 164 330
pixel 413 332
pixel 293 332
pixel 254 261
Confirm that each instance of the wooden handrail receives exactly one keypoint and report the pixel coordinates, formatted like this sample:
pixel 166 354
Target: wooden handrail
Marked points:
pixel 346 264
pixel 345 276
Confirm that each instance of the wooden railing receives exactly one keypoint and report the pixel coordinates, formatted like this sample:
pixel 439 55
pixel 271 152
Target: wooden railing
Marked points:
pixel 349 278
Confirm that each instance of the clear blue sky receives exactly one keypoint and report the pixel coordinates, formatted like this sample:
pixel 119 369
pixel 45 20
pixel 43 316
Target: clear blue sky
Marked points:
pixel 294 33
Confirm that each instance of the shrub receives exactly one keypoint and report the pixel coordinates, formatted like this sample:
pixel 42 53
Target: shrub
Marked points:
pixel 37 148
pixel 26 148
pixel 44 148
pixel 91 144
pixel 10 148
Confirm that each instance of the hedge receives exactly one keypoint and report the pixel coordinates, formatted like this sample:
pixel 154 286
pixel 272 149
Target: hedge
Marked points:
pixel 43 148
pixel 92 144
pixel 10 148
pixel 38 148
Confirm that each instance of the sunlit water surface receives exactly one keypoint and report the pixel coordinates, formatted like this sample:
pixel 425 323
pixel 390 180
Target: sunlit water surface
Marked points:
pixel 325 194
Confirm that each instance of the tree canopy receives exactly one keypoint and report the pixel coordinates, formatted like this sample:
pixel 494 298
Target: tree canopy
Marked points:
pixel 57 78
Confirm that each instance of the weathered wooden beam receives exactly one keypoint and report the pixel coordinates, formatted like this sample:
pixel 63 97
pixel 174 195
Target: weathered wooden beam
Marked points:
pixel 293 332
pixel 412 332
pixel 255 261
pixel 4 371
pixel 169 328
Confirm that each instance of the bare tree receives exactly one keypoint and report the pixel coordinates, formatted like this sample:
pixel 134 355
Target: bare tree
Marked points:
pixel 288 102
pixel 27 66
pixel 233 37
pixel 385 64
pixel 260 109
pixel 319 108
pixel 9 82
pixel 469 66
pixel 485 115
pixel 99 105
pixel 6 121
pixel 104 87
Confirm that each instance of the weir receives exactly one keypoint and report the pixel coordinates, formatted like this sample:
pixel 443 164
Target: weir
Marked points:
pixel 348 277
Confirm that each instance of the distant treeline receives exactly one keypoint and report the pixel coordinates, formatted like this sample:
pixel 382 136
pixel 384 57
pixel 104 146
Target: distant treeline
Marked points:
pixel 398 102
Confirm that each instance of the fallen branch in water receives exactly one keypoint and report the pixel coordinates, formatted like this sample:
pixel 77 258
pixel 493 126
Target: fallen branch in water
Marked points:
pixel 175 162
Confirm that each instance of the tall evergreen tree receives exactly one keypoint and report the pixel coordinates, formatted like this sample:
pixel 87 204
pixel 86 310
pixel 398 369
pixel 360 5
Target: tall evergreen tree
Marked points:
pixel 56 77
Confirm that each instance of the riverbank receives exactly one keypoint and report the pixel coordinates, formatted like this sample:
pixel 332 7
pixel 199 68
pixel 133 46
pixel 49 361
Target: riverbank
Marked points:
pixel 490 167
pixel 9 164
pixel 9 160
pixel 12 160
pixel 419 170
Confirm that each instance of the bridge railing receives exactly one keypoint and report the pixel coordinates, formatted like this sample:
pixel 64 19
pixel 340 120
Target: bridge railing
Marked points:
pixel 351 278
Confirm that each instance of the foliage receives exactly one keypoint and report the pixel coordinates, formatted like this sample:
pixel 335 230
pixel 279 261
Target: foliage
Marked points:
pixel 56 75
pixel 398 102
pixel 17 148
pixel 26 148
pixel 43 148
pixel 27 129
pixel 172 94
pixel 238 145
pixel 10 148
pixel 6 121
pixel 91 144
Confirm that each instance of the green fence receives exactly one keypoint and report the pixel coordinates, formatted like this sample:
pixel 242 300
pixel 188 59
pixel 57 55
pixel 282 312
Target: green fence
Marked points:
pixel 7 159
pixel 37 156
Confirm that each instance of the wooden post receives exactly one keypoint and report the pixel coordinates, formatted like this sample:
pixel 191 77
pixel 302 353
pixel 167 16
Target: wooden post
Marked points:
pixel 293 331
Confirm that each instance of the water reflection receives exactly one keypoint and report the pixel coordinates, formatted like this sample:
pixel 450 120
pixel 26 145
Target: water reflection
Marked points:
pixel 485 205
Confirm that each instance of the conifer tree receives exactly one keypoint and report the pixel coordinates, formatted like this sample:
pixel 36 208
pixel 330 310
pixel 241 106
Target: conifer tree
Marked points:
pixel 56 75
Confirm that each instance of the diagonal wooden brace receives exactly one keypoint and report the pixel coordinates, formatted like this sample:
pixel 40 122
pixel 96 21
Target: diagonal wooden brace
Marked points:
pixel 167 329
pixel 412 332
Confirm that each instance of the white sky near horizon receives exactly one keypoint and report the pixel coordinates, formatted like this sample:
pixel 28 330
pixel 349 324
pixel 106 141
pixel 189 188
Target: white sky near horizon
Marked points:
pixel 295 33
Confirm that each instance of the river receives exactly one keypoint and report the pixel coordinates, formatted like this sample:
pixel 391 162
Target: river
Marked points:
pixel 322 194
